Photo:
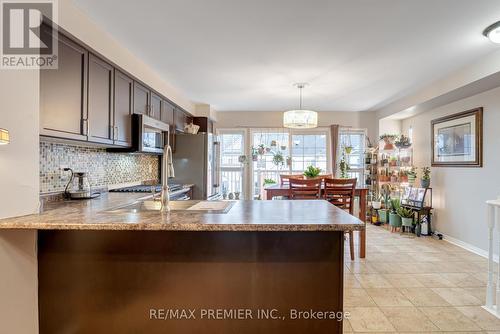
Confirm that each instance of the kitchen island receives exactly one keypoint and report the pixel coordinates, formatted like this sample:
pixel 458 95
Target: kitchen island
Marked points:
pixel 261 267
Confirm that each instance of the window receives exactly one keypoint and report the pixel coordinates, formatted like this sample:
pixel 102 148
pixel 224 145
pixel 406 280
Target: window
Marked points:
pixel 232 147
pixel 354 138
pixel 298 150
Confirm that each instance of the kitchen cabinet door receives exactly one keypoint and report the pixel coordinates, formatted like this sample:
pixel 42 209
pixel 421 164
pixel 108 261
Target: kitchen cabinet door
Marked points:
pixel 167 113
pixel 181 119
pixel 124 88
pixel 155 111
pixel 141 99
pixel 63 93
pixel 100 101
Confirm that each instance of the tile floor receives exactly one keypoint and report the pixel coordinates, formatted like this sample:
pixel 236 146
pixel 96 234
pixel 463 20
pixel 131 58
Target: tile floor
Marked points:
pixel 415 285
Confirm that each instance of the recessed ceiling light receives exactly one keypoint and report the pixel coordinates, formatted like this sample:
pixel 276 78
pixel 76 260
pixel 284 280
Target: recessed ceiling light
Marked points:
pixel 493 32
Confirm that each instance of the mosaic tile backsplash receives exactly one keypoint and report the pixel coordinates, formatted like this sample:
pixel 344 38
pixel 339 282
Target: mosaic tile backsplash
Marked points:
pixel 104 168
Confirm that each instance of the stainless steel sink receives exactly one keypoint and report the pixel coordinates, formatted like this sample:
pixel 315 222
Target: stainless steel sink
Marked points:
pixel 187 206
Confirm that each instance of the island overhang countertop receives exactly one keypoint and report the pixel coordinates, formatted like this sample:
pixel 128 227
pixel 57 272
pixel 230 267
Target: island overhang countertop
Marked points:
pixel 283 215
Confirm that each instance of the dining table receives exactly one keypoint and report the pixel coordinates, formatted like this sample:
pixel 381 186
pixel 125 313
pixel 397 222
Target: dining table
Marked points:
pixel 360 192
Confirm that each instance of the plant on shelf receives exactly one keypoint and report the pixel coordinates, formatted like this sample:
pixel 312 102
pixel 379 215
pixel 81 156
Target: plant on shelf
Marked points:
pixel 311 172
pixel 402 142
pixel 278 159
pixel 394 218
pixel 385 192
pixel 388 141
pixel 412 175
pixel 406 215
pixel 377 202
pixel 425 182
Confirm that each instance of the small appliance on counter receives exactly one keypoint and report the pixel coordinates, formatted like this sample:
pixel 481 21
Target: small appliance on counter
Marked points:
pixel 78 186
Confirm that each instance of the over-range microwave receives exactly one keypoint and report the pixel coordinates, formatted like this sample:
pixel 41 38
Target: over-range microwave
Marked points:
pixel 149 135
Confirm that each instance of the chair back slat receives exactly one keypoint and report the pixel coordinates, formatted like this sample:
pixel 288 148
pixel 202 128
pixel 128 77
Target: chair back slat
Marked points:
pixel 340 192
pixel 305 189
pixel 285 178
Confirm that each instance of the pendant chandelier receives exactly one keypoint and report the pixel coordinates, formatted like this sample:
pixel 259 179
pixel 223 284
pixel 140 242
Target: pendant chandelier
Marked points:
pixel 300 118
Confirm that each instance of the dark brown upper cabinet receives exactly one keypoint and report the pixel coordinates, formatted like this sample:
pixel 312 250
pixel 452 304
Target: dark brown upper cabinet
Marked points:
pixel 167 112
pixel 63 93
pixel 155 106
pixel 141 99
pixel 123 98
pixel 181 118
pixel 100 101
pixel 205 124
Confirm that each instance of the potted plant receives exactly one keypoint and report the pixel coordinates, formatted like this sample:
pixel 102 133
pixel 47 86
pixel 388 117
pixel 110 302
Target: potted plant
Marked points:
pixel 288 161
pixel 388 141
pixel 412 175
pixel 255 153
pixel 348 149
pixel 393 162
pixel 377 202
pixel 312 172
pixel 261 149
pixel 403 176
pixel 274 143
pixel 278 159
pixel 425 182
pixel 402 142
pixel 406 215
pixel 242 159
pixel 394 218
pixel 283 147
pixel 268 182
pixel 385 194
pixel 394 177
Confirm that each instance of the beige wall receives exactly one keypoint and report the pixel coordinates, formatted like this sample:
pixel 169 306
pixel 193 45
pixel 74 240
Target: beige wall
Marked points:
pixel 19 184
pixel 460 193
pixel 234 119
pixel 73 20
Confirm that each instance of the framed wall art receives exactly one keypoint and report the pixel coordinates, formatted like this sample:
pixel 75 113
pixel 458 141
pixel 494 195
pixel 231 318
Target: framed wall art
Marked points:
pixel 457 140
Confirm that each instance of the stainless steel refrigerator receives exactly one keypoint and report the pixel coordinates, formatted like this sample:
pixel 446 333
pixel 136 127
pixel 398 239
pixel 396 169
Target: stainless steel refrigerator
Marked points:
pixel 197 161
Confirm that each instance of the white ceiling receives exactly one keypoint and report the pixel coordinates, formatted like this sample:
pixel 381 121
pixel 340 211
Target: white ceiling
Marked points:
pixel 246 54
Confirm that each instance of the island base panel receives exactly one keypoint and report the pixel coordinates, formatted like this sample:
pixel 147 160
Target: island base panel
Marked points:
pixel 118 281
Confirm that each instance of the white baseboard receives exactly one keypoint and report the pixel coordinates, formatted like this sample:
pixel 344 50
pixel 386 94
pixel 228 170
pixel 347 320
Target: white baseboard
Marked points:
pixel 469 247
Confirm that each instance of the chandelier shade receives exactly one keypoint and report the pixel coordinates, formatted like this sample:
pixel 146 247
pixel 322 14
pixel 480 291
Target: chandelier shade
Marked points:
pixel 300 119
pixel 4 137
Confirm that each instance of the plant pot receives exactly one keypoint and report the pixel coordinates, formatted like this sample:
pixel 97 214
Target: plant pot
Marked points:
pixel 407 222
pixel 411 179
pixel 394 179
pixel 255 157
pixel 425 183
pixel 388 145
pixel 376 205
pixel 404 178
pixel 394 220
pixel 383 215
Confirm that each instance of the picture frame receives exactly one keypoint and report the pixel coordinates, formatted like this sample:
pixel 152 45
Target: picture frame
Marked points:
pixel 457 140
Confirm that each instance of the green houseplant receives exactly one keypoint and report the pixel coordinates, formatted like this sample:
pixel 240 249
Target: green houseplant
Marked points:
pixel 406 215
pixel 388 141
pixel 412 175
pixel 425 182
pixel 394 218
pixel 278 159
pixel 402 142
pixel 268 182
pixel 311 172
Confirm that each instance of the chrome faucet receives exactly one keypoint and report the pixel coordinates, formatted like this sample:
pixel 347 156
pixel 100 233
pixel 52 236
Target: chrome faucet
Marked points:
pixel 167 173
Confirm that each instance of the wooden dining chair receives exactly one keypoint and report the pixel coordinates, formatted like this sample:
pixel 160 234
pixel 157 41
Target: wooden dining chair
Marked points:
pixel 305 189
pixel 285 178
pixel 340 192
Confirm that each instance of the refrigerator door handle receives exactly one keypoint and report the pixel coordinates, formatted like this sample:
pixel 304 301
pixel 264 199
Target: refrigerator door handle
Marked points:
pixel 217 164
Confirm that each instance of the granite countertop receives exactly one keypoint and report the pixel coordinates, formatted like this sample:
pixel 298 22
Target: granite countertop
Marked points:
pixel 244 216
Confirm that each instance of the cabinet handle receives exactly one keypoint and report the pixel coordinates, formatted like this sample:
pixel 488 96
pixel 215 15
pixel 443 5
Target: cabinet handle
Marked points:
pixel 87 127
pixel 116 133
